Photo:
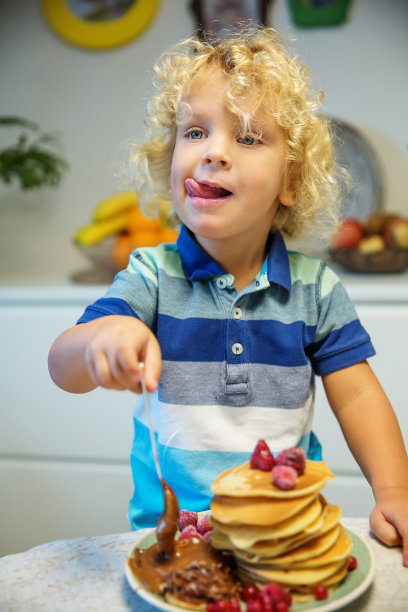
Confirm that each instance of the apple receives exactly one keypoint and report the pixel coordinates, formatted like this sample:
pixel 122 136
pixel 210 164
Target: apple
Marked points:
pixel 377 221
pixel 371 244
pixel 396 232
pixel 349 234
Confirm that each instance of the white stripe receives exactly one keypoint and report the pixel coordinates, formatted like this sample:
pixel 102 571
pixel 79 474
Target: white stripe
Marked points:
pixel 226 428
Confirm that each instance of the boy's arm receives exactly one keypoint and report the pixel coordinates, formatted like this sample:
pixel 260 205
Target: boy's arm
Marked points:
pixel 373 435
pixel 105 352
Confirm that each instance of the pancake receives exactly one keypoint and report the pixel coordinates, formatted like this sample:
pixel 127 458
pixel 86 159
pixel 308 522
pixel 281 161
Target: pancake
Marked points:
pixel 291 577
pixel 243 535
pixel 271 548
pixel 311 548
pixel 256 510
pixel 292 537
pixel 242 481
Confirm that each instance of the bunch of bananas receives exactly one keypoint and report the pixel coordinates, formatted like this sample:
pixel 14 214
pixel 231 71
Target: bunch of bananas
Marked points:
pixel 120 217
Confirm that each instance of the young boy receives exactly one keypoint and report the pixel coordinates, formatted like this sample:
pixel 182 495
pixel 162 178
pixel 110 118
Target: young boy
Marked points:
pixel 230 326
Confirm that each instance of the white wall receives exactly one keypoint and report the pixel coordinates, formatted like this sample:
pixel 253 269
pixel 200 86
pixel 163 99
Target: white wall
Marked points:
pixel 97 98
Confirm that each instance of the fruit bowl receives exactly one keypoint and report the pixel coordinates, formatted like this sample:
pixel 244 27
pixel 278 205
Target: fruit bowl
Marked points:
pixel 388 260
pixel 100 255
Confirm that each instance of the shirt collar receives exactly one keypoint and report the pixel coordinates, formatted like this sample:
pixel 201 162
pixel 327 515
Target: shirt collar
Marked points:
pixel 198 265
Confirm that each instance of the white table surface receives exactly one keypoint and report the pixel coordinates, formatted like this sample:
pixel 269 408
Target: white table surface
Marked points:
pixel 86 574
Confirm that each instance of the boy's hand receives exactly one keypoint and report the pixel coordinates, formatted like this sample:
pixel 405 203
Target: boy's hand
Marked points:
pixel 389 519
pixel 115 350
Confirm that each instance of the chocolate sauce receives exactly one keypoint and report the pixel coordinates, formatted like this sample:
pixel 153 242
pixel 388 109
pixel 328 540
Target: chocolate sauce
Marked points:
pixel 167 524
pixel 195 573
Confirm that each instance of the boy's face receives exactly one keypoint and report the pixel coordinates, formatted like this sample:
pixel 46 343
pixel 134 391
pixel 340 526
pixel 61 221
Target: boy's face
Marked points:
pixel 226 184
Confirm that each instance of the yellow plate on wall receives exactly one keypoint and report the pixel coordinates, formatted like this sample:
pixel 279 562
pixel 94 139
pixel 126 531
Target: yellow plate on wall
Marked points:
pixel 77 24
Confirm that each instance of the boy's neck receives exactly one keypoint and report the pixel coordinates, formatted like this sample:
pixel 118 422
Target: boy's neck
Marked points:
pixel 242 260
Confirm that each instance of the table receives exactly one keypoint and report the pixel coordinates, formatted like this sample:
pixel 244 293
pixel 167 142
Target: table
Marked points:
pixel 86 574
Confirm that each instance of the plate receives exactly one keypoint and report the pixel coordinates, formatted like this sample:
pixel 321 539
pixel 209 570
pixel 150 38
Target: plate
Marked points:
pixel 354 585
pixel 363 194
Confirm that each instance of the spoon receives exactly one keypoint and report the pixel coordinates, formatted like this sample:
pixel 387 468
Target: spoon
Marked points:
pixel 167 523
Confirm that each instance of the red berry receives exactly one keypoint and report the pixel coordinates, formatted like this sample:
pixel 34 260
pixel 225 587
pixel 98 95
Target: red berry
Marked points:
pixel 203 525
pixel 189 532
pixel 281 606
pixel 255 605
pixel 294 457
pixel 262 458
pixel 321 591
pixel 186 517
pixel 222 606
pixel 250 592
pixel 284 477
pixel 210 607
pixel 273 591
pixel 352 563
pixel 235 606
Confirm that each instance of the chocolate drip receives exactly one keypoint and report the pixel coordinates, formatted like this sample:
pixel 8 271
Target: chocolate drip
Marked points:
pixel 168 522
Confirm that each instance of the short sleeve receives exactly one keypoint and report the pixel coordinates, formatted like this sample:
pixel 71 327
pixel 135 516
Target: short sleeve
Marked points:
pixel 132 293
pixel 340 339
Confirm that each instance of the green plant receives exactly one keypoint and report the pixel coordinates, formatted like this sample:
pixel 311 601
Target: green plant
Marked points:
pixel 34 160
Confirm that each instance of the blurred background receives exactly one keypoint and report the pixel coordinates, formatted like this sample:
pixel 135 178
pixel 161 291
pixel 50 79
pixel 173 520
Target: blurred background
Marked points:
pixel 96 99
pixel 64 459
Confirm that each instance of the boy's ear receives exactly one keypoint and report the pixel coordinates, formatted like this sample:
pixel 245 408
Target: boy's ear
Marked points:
pixel 286 197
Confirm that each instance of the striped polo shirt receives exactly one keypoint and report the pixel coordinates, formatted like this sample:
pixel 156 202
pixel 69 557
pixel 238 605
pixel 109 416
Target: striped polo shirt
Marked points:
pixel 237 366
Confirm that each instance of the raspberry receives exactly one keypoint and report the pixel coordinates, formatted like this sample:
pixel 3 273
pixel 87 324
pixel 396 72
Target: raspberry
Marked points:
pixel 352 563
pixel 284 477
pixel 273 591
pixel 187 518
pixel 262 458
pixel 189 532
pixel 203 525
pixel 235 606
pixel 294 457
pixel 254 605
pixel 207 536
pixel 281 606
pixel 222 606
pixel 321 591
pixel 250 592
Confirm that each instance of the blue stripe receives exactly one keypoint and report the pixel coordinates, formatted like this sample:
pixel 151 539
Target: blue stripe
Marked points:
pixel 196 470
pixel 341 348
pixel 202 339
pixel 104 307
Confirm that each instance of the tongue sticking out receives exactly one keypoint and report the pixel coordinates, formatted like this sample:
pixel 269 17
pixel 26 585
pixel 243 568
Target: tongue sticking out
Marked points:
pixel 200 190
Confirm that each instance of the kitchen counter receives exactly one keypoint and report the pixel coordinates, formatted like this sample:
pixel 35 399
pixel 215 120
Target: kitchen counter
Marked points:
pixel 361 287
pixel 89 574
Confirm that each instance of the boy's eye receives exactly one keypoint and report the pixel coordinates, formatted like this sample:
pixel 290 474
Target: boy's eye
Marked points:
pixel 248 140
pixel 195 134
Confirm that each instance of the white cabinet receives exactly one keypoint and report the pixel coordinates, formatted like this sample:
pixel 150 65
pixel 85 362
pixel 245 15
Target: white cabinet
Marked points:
pixel 64 459
pixel 383 310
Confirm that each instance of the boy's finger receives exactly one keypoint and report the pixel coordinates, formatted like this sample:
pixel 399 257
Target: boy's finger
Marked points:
pixel 384 530
pixel 152 366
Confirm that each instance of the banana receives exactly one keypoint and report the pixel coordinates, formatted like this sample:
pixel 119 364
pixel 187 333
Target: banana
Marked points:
pixel 115 205
pixel 93 233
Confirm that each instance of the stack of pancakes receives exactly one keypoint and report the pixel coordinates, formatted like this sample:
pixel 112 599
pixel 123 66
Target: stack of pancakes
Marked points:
pixel 291 537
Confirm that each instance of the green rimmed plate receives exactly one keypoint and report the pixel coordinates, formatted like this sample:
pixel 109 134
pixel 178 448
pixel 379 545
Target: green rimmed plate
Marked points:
pixel 354 584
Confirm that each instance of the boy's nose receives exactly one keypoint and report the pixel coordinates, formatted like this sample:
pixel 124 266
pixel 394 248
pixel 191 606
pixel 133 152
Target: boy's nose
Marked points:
pixel 216 153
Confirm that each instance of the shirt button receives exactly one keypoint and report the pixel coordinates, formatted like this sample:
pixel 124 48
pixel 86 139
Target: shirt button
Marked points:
pixel 221 283
pixel 237 313
pixel 237 348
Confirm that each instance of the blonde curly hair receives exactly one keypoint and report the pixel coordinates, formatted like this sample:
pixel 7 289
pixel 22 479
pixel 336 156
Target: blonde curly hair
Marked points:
pixel 259 60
